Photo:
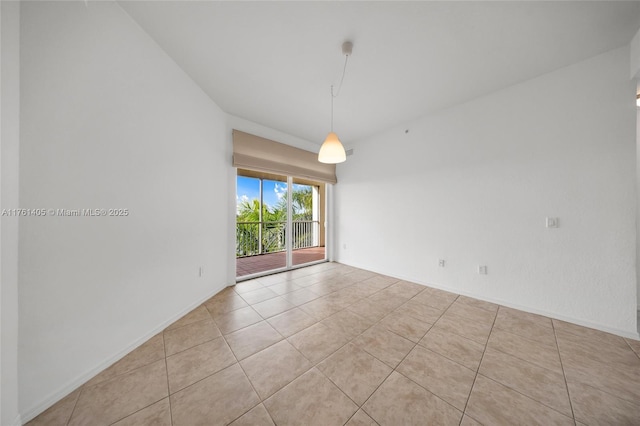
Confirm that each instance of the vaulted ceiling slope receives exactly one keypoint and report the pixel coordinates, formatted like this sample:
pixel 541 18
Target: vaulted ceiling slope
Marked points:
pixel 274 62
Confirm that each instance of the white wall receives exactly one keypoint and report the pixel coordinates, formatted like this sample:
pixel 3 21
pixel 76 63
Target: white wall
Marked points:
pixel 634 55
pixel 474 183
pixel 634 61
pixel 9 154
pixel 635 73
pixel 638 208
pixel 108 120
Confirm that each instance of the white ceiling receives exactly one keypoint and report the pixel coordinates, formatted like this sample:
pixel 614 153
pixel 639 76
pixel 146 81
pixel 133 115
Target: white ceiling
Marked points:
pixel 273 62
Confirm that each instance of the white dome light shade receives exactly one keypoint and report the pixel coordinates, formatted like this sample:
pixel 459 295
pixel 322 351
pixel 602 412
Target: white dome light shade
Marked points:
pixel 332 151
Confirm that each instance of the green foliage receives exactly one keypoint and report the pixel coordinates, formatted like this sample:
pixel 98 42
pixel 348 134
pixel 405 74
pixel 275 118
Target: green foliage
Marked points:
pixel 249 211
pixel 302 205
pixel 273 221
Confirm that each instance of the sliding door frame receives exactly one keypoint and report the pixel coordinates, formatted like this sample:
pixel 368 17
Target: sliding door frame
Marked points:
pixel 289 266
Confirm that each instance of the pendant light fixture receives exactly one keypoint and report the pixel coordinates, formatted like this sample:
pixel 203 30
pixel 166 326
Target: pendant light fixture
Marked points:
pixel 332 151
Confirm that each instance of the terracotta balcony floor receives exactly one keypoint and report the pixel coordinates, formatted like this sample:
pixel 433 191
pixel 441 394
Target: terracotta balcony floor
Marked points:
pixel 266 262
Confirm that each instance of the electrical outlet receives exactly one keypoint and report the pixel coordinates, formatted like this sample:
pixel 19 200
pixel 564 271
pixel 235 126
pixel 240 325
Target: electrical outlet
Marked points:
pixel 552 222
pixel 441 263
pixel 482 269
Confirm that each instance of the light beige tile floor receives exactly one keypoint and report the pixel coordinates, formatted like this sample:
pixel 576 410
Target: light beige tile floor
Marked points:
pixel 335 345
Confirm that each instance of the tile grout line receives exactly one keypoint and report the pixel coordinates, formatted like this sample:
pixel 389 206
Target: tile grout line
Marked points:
pixel 166 365
pixel 486 344
pixel 394 369
pixel 261 401
pixel 459 335
pixel 181 351
pixel 537 342
pixel 302 329
pixel 361 406
pixel 610 394
pixel 336 385
pixel 533 342
pixel 317 322
pixel 154 402
pixel 75 404
pixel 184 325
pixel 526 396
pixel 527 361
pixel 582 336
pixel 446 357
pixel 137 411
pixel 242 368
pixel 241 328
pixel 385 379
pixel 520 392
pixel 266 347
pixel 631 347
pixel 203 378
pixel 564 375
pixel 307 358
pixel 354 414
pixel 82 387
pixel 312 366
pixel 431 392
pixel 348 342
pixel 119 374
pixel 437 353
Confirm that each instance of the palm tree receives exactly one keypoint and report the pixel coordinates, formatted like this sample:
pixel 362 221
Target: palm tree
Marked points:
pixel 302 205
pixel 249 228
pixel 302 209
pixel 273 222
pixel 249 211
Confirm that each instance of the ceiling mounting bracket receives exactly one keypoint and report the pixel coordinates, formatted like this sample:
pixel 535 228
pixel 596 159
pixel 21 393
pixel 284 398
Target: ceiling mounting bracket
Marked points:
pixel 347 48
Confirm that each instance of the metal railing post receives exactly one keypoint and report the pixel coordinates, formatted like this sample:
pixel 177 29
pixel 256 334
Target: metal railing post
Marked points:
pixel 260 219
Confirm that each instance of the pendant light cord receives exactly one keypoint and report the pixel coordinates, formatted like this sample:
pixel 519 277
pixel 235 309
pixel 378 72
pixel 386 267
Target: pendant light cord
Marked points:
pixel 332 108
pixel 344 71
pixel 333 96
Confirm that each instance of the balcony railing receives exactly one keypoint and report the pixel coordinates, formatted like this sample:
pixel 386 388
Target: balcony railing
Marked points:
pixel 254 238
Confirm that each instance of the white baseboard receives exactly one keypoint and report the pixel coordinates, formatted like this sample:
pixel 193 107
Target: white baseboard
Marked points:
pixel 623 333
pixel 73 384
pixel 17 421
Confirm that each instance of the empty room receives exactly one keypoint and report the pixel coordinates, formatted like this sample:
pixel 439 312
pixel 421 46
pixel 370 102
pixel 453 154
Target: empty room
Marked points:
pixel 319 213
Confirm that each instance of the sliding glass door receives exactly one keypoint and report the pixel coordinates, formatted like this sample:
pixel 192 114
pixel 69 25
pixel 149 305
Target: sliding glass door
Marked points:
pixel 279 223
pixel 307 202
